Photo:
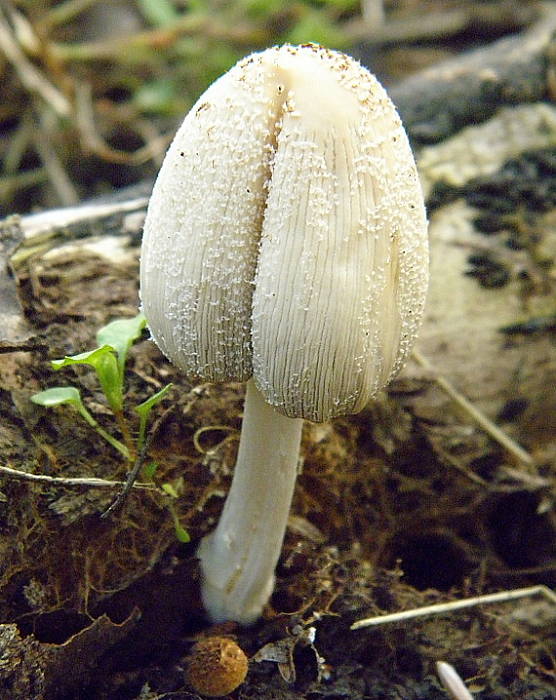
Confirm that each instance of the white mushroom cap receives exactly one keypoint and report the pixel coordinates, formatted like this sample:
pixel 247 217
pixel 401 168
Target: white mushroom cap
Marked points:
pixel 286 235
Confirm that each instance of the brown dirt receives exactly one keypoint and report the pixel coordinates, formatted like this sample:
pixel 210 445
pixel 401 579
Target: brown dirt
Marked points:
pixel 405 505
pixel 392 511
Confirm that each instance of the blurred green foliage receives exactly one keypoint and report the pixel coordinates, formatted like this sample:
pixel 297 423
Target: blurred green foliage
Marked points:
pixel 91 91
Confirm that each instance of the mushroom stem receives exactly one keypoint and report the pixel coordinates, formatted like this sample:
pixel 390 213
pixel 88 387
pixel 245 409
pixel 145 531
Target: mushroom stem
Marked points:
pixel 239 557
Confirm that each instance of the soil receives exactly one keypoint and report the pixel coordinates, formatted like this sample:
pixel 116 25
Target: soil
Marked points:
pixel 394 509
pixel 408 504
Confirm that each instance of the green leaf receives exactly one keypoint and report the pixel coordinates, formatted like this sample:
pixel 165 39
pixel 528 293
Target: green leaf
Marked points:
pixel 69 394
pixel 84 358
pixel 156 96
pixel 104 362
pixel 181 533
pixel 144 409
pixel 170 490
pixel 120 335
pixel 58 395
pixel 64 394
pixel 158 12
pixel 149 470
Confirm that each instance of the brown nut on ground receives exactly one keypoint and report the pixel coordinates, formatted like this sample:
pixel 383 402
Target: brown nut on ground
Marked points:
pixel 216 666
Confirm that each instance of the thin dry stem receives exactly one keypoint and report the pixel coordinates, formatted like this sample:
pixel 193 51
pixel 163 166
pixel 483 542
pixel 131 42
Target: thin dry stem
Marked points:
pixel 57 175
pixel 441 608
pixel 208 429
pixel 67 11
pixel 186 25
pixel 485 423
pixel 90 482
pixel 32 78
pixel 93 141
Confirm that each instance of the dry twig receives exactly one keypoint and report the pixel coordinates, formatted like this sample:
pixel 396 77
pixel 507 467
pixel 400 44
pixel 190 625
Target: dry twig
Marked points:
pixel 32 78
pixel 484 423
pixel 71 482
pixel 441 608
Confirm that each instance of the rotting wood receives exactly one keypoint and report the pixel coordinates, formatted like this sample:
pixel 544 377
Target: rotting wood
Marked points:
pixel 470 88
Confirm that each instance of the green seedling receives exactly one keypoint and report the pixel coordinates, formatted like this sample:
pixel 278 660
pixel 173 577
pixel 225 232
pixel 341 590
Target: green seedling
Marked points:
pixel 149 471
pixel 144 409
pixel 170 490
pixel 120 335
pixel 59 395
pixel 108 361
pixel 103 360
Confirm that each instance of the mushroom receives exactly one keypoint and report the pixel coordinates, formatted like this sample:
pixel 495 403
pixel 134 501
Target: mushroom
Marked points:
pixel 285 245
